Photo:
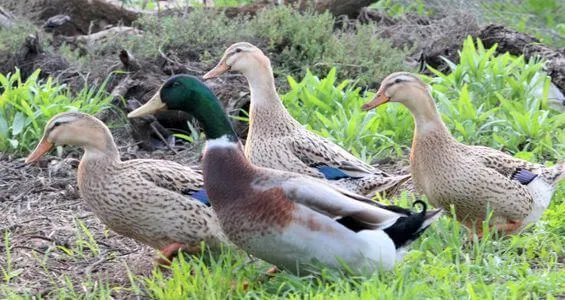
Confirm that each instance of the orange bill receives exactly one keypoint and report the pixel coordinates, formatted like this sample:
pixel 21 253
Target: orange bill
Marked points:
pixel 43 147
pixel 218 70
pixel 379 99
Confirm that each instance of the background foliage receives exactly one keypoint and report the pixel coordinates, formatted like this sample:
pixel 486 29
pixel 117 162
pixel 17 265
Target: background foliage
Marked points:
pixel 26 106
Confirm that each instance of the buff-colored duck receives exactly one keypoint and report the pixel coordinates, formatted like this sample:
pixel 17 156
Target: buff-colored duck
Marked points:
pixel 144 199
pixel 276 140
pixel 471 178
pixel 288 219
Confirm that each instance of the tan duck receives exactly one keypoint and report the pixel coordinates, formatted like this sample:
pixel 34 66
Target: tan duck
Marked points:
pixel 144 199
pixel 276 140
pixel 471 178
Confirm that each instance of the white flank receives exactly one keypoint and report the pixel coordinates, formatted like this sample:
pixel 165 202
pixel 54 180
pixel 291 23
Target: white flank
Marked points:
pixel 380 251
pixel 221 142
pixel 541 192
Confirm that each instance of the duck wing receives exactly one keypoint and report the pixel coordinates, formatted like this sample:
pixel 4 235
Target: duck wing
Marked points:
pixel 330 201
pixel 330 159
pixel 168 174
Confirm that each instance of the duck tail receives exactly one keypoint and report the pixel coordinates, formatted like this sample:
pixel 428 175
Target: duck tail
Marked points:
pixel 407 229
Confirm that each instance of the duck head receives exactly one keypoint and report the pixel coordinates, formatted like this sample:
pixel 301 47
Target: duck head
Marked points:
pixel 409 90
pixel 402 87
pixel 187 93
pixel 242 57
pixel 73 128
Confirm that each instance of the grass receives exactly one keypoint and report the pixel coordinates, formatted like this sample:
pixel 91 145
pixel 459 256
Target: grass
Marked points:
pixel 26 106
pixel 443 264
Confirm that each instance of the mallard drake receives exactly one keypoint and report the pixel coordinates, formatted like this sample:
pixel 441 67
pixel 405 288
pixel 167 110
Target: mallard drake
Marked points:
pixel 471 178
pixel 287 219
pixel 276 140
pixel 144 199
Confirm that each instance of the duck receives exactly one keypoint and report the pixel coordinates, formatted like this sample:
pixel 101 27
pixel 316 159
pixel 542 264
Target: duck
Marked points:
pixel 472 179
pixel 158 203
pixel 293 221
pixel 276 140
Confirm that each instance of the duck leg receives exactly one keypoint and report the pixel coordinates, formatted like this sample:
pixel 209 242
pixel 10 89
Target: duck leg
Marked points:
pixel 507 228
pixel 172 250
pixel 502 229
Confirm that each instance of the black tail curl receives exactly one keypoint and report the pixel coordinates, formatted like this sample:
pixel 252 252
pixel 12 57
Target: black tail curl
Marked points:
pixel 423 204
pixel 409 228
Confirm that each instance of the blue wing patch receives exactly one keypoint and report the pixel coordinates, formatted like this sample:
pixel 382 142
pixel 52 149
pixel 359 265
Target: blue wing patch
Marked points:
pixel 524 176
pixel 332 173
pixel 201 196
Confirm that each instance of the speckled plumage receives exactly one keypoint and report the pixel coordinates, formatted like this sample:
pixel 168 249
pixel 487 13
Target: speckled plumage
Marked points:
pixel 276 140
pixel 471 178
pixel 139 198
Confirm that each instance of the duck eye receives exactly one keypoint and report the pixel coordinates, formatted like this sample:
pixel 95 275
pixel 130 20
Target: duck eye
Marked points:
pixel 237 50
pixel 398 80
pixel 176 84
pixel 56 123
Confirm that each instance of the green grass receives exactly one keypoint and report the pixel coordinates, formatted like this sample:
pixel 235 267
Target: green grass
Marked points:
pixel 443 264
pixel 26 106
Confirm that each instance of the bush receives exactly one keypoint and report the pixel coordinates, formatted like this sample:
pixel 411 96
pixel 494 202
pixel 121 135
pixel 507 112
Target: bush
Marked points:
pixel 293 40
pixel 544 19
pixel 25 108
pixel 12 38
pixel 334 111
pixel 492 100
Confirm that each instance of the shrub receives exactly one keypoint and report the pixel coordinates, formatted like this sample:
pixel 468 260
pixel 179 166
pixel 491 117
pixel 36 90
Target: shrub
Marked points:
pixel 12 38
pixel 544 19
pixel 25 108
pixel 492 100
pixel 301 40
pixel 334 111
pixel 293 40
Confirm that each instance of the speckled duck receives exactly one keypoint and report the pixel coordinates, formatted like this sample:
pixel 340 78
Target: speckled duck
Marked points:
pixel 145 199
pixel 276 140
pixel 471 178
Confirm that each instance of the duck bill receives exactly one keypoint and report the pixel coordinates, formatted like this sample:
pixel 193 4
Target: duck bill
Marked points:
pixel 152 106
pixel 218 70
pixel 379 99
pixel 43 147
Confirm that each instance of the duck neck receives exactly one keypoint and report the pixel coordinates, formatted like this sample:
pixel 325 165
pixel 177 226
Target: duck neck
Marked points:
pixel 211 116
pixel 100 146
pixel 426 116
pixel 262 86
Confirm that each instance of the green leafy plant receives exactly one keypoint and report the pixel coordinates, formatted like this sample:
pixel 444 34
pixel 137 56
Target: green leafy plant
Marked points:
pixel 494 101
pixel 334 111
pixel 26 106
